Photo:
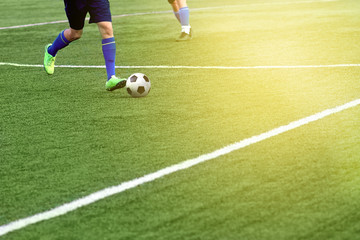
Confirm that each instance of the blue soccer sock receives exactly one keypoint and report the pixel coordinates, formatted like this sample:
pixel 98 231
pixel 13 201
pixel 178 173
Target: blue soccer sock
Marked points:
pixel 184 16
pixel 59 43
pixel 177 15
pixel 109 51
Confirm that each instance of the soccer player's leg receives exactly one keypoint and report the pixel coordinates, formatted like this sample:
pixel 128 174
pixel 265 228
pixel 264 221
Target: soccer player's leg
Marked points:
pixel 109 53
pixel 101 15
pixel 76 15
pixel 175 8
pixel 186 31
pixel 62 40
pixel 51 50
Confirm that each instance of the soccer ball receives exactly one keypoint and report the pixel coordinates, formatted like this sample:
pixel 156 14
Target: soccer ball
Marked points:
pixel 138 85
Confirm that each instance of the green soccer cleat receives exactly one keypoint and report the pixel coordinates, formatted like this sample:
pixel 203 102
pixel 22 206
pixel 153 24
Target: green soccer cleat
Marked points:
pixel 115 83
pixel 49 61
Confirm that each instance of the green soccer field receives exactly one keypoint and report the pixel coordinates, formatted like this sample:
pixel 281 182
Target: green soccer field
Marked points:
pixel 252 66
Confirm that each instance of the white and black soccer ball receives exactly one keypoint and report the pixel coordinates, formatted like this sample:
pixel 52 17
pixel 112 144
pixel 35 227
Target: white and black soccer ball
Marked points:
pixel 138 85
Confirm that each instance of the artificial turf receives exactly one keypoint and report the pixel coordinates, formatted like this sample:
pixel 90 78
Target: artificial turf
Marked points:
pixel 64 136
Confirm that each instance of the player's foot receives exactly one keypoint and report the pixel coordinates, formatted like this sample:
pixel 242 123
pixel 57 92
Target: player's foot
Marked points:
pixel 185 36
pixel 115 83
pixel 49 61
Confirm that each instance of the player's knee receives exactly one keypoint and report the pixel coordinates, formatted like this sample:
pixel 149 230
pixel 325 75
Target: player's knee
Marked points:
pixel 171 1
pixel 75 35
pixel 181 3
pixel 106 29
pixel 107 34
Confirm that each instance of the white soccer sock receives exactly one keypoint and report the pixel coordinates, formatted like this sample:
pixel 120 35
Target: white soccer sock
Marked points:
pixel 186 29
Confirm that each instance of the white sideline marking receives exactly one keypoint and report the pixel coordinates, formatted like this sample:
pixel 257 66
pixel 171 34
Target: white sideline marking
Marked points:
pixel 186 67
pixel 162 12
pixel 107 192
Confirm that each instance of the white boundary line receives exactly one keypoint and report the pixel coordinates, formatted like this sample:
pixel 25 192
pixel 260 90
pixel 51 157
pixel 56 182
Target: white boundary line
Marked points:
pixel 186 67
pixel 107 192
pixel 162 12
